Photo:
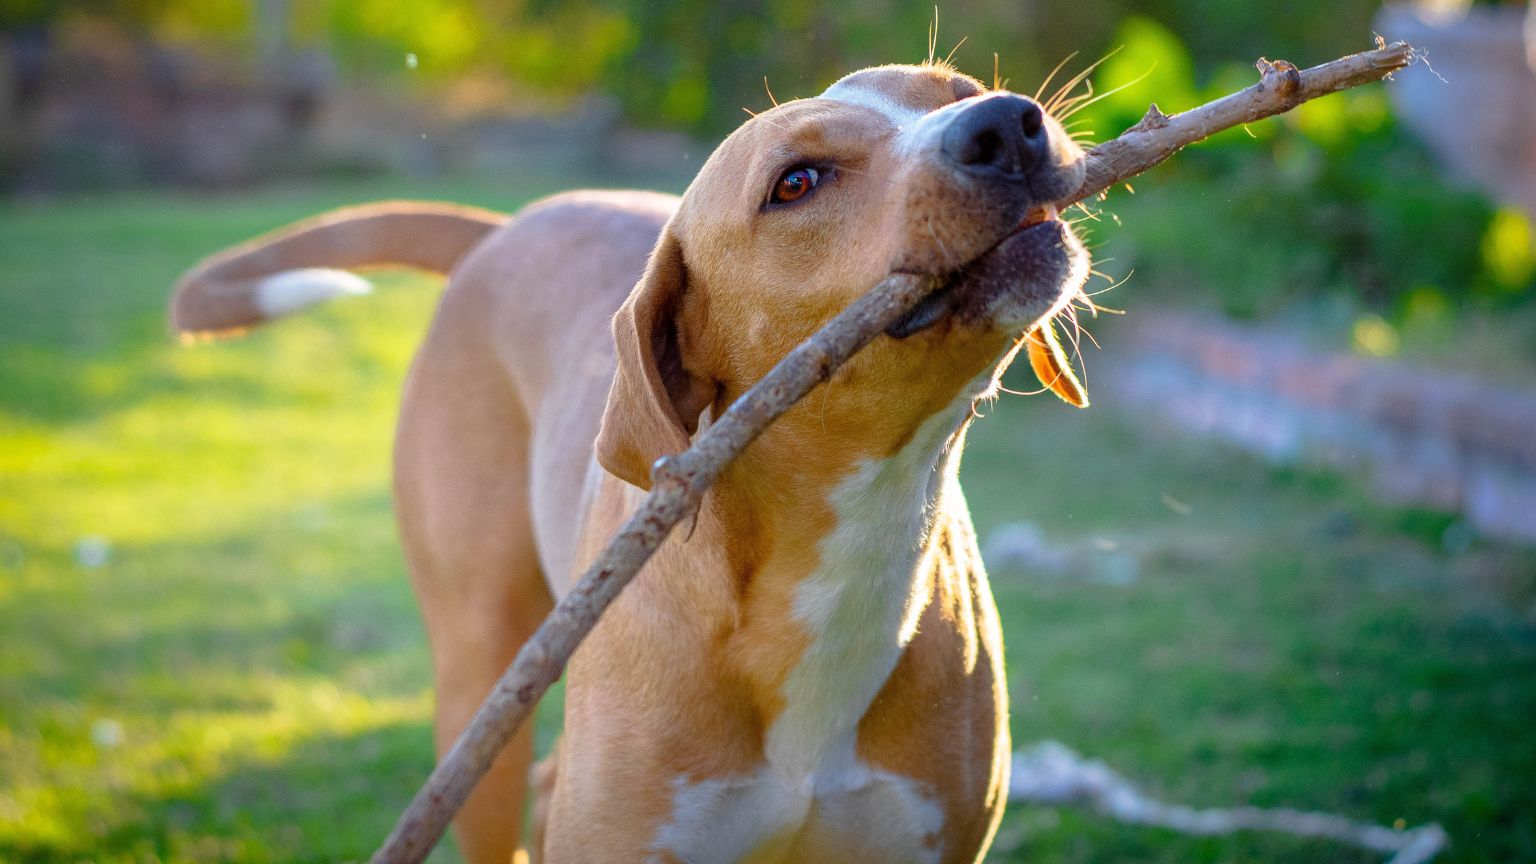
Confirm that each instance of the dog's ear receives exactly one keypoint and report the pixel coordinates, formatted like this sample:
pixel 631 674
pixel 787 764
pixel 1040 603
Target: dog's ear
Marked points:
pixel 655 402
pixel 1052 366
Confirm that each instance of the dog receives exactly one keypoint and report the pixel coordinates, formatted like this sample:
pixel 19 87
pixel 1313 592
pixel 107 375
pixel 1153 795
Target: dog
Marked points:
pixel 813 672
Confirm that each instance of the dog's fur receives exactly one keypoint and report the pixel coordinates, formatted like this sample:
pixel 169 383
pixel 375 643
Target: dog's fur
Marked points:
pixel 812 672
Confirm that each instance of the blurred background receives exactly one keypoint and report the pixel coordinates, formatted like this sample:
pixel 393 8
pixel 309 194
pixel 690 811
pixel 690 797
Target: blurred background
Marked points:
pixel 1287 559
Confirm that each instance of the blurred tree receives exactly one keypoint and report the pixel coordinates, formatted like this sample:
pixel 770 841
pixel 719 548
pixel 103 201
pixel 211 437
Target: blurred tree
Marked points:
pixel 697 64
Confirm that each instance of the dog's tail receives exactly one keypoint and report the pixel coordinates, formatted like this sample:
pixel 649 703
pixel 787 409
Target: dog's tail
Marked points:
pixel 308 262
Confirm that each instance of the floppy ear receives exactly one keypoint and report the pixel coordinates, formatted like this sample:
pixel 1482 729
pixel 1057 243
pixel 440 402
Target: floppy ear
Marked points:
pixel 1052 366
pixel 655 402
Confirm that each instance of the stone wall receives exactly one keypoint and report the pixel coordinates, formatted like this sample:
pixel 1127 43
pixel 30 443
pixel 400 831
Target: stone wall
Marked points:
pixel 1428 438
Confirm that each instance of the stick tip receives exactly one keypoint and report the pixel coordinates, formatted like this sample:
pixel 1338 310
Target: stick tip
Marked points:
pixel 1394 55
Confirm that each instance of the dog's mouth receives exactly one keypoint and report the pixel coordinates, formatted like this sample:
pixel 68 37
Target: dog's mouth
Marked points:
pixel 1018 284
pixel 1037 216
pixel 1037 266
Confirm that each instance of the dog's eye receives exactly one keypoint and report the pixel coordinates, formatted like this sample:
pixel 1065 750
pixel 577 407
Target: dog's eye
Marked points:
pixel 794 185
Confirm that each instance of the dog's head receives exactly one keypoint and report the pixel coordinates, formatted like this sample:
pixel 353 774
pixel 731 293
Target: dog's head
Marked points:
pixel 915 169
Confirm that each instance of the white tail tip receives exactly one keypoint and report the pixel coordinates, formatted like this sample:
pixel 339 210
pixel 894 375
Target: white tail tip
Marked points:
pixel 291 290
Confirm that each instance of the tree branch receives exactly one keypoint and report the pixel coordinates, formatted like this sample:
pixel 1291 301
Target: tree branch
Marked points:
pixel 681 480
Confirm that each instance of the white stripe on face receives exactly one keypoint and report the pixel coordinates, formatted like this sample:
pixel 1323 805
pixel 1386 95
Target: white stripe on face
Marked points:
pixel 917 130
pixel 856 93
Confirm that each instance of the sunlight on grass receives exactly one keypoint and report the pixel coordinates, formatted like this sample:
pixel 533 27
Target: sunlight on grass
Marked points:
pixel 80 764
pixel 299 411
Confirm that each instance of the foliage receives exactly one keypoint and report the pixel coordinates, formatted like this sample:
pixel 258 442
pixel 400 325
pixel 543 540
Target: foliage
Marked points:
pixel 1332 201
pixel 696 64
pixel 243 677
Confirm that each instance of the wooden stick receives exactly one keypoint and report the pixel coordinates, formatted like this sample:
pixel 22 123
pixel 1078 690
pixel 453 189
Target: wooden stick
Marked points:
pixel 681 480
pixel 1281 87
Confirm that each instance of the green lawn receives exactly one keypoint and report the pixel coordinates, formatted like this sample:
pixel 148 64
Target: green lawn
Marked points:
pixel 244 677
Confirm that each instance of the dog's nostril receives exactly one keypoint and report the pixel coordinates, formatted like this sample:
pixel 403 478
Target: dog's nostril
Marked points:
pixel 1033 120
pixel 984 147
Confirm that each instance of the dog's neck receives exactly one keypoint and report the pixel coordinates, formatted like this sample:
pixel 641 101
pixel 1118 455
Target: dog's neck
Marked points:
pixel 831 601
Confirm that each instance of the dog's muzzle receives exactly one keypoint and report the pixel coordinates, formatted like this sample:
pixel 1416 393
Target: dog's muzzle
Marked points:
pixel 1001 146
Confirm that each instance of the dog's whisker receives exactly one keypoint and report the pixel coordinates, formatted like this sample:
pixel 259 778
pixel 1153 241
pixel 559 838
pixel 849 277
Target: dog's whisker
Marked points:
pixel 1012 392
pixel 1086 302
pixel 945 64
pixel 933 37
pixel 1066 102
pixel 1083 76
pixel 1052 75
pixel 1089 295
pixel 1107 93
pixel 1077 333
pixel 763 117
pixel 1085 333
pixel 1074 333
pixel 1059 106
pixel 928 223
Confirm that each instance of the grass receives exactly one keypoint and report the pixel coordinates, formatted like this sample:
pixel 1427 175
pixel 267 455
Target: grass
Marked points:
pixel 243 678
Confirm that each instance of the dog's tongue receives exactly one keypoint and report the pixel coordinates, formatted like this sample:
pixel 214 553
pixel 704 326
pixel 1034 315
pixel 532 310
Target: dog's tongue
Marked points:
pixel 1051 365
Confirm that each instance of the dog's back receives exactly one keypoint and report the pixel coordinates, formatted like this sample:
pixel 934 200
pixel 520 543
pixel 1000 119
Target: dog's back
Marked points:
pixel 498 416
pixel 537 296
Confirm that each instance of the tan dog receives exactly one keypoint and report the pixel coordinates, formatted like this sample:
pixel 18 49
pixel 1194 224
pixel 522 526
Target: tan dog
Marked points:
pixel 813 673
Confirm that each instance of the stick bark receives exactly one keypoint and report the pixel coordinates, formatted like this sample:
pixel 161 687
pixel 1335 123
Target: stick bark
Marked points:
pixel 680 481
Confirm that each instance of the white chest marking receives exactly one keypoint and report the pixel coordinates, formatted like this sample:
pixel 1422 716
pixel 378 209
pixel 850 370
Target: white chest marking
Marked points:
pixel 860 609
pixel 859 606
pixel 917 130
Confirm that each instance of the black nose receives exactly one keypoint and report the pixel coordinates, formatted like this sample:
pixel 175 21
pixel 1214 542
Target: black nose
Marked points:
pixel 1004 131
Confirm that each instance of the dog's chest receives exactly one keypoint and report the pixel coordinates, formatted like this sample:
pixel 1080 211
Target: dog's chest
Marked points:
pixel 814 798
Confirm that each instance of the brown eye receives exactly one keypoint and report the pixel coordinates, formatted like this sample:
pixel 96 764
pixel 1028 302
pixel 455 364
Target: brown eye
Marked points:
pixel 794 184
